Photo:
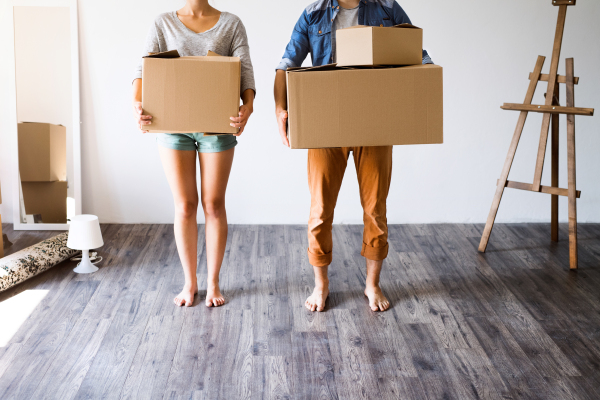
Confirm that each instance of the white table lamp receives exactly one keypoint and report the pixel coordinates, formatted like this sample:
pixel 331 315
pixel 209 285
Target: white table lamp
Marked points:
pixel 84 235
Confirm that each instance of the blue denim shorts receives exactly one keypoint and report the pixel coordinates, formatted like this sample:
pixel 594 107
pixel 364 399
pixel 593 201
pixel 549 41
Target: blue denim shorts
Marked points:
pixel 197 142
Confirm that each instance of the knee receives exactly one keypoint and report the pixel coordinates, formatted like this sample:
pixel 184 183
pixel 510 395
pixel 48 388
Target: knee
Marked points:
pixel 186 209
pixel 214 208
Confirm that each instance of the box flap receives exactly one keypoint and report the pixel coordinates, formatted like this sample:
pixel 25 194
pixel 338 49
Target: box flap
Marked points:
pixel 164 54
pixel 406 26
pixel 213 54
pixel 334 67
pixel 326 67
pixel 320 67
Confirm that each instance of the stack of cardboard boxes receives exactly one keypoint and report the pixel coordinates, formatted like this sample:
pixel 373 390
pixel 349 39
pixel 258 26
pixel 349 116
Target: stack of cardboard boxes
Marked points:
pixel 377 94
pixel 43 170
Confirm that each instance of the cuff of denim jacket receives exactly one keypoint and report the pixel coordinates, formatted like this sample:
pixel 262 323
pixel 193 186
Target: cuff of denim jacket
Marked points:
pixel 285 64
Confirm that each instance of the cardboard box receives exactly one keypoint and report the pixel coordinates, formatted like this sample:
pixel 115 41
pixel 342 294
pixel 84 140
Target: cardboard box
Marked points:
pixel 42 152
pixel 191 94
pixel 374 45
pixel 48 199
pixel 344 107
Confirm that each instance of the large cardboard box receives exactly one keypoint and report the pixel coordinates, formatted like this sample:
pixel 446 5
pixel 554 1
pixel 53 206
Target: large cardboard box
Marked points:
pixel 42 152
pixel 191 94
pixel 48 199
pixel 374 45
pixel 343 107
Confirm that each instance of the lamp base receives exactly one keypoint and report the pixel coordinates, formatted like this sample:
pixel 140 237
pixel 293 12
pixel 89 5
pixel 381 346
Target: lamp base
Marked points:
pixel 85 266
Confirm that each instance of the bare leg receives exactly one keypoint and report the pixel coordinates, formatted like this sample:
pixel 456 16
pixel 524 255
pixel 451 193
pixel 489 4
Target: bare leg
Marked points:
pixel 214 171
pixel 377 300
pixel 316 301
pixel 180 168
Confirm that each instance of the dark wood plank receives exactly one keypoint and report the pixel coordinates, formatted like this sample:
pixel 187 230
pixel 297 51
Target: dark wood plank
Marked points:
pixel 313 373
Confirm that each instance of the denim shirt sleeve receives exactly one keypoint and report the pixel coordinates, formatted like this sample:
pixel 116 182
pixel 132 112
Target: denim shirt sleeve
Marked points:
pixel 298 47
pixel 400 17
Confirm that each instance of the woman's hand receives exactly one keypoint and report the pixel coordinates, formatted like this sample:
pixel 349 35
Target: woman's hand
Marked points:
pixel 282 116
pixel 241 121
pixel 140 118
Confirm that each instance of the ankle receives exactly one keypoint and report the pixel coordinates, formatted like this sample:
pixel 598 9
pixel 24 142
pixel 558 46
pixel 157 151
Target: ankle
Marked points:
pixel 321 283
pixel 190 284
pixel 212 283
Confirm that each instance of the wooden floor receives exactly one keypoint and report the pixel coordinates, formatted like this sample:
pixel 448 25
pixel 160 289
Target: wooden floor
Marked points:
pixel 514 323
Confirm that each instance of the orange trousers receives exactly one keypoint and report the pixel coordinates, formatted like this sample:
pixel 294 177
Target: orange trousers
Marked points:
pixel 326 169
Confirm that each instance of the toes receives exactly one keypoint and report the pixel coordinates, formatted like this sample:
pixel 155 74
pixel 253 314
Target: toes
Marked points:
pixel 208 303
pixel 373 307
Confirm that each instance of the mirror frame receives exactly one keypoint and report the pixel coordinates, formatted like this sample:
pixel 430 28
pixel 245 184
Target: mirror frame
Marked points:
pixel 12 103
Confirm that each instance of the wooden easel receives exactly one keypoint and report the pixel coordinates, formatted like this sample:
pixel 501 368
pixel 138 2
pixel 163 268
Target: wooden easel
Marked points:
pixel 551 110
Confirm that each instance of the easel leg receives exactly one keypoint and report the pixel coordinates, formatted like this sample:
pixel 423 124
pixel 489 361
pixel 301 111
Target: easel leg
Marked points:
pixel 487 231
pixel 485 238
pixel 572 167
pixel 555 136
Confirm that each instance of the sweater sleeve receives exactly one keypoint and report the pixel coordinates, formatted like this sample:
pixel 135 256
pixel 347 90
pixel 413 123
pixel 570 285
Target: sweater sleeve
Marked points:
pixel 152 46
pixel 241 49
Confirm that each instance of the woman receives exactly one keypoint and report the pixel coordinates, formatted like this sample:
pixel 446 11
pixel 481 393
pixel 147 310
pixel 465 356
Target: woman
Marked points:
pixel 193 31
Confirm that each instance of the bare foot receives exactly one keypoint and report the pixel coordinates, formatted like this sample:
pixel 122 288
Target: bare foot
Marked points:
pixel 186 297
pixel 316 301
pixel 377 300
pixel 214 298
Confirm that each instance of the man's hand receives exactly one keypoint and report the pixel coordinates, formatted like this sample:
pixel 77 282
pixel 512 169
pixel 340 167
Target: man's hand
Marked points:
pixel 241 121
pixel 282 116
pixel 140 118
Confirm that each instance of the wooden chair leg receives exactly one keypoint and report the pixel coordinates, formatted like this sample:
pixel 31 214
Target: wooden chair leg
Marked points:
pixel 555 180
pixel 571 167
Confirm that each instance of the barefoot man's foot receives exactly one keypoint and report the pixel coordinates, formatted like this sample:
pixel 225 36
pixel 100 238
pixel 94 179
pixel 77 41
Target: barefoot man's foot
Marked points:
pixel 186 297
pixel 214 298
pixel 316 301
pixel 377 300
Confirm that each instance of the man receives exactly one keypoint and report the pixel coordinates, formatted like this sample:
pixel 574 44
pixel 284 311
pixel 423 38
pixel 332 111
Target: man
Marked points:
pixel 315 32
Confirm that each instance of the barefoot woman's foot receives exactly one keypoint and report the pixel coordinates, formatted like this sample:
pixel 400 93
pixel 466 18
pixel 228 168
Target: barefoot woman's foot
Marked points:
pixel 214 298
pixel 316 301
pixel 186 297
pixel 377 300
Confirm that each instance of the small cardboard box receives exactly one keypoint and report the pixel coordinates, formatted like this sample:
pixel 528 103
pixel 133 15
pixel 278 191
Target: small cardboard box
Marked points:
pixel 42 152
pixel 191 94
pixel 48 199
pixel 345 107
pixel 374 45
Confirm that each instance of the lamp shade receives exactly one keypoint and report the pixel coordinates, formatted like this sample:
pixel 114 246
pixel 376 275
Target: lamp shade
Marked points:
pixel 84 233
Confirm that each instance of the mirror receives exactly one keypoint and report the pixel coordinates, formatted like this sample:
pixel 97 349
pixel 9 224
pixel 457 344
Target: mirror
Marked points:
pixel 46 128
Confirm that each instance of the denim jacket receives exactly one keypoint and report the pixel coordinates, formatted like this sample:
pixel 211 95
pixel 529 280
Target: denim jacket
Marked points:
pixel 312 32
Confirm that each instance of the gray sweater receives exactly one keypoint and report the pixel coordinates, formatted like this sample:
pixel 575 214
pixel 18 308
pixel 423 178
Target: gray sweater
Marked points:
pixel 227 38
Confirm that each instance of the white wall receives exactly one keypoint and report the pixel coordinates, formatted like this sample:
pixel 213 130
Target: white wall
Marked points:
pixel 487 49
